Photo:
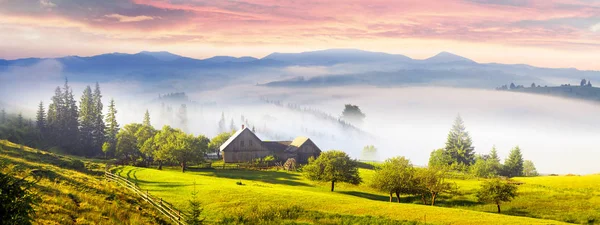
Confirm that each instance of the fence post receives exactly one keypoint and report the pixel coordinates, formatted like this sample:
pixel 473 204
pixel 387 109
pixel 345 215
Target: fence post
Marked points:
pixel 178 215
pixel 161 201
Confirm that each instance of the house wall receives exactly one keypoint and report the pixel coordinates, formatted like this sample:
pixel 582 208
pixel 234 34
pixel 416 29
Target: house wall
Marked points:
pixel 246 147
pixel 307 150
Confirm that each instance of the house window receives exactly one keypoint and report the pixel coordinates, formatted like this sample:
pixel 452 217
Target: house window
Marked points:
pixel 242 143
pixel 250 143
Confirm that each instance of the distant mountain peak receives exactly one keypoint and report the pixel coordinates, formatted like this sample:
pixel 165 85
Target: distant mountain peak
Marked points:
pixel 447 57
pixel 161 55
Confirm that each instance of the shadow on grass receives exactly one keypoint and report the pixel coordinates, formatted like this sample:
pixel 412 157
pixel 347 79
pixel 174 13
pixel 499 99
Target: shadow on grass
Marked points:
pixel 271 177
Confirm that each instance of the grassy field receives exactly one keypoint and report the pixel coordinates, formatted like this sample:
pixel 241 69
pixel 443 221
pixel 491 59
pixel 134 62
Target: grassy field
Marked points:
pixel 73 190
pixel 223 197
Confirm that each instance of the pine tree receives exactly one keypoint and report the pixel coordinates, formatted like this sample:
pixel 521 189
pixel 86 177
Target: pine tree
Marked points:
pixel 231 126
pixel 182 115
pixel 86 122
pixel 459 144
pixel 147 119
pixel 494 162
pixel 513 165
pixel 56 111
pixel 2 116
pixel 98 134
pixel 70 122
pixel 222 123
pixel 41 118
pixel 20 122
pixel 112 127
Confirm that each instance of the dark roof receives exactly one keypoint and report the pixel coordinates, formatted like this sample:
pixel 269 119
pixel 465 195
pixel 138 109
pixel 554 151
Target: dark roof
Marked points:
pixel 276 146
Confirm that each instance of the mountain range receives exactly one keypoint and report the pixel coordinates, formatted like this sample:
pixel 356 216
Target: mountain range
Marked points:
pixel 342 66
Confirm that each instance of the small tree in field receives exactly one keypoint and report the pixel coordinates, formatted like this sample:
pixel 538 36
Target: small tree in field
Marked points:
pixel 195 209
pixel 431 181
pixel 497 191
pixel 333 166
pixel 395 176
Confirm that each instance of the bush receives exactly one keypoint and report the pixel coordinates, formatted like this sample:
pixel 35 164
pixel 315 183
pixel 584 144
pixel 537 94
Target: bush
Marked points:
pixel 16 201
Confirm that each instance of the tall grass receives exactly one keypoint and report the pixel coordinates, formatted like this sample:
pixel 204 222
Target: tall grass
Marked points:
pixel 72 189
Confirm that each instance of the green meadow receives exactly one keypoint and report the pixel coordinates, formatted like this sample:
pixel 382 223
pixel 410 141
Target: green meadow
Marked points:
pixel 74 191
pixel 542 200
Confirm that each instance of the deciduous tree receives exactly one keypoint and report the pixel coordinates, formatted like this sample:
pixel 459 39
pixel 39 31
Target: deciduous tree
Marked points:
pixel 333 166
pixel 497 191
pixel 394 176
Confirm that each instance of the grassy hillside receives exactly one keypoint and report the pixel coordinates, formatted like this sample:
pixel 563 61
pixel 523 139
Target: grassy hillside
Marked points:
pixel 73 190
pixel 223 197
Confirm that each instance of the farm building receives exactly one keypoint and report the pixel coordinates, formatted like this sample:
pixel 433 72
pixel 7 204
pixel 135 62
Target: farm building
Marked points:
pixel 245 146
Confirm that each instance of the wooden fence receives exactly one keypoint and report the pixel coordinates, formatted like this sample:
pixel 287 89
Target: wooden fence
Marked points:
pixel 163 207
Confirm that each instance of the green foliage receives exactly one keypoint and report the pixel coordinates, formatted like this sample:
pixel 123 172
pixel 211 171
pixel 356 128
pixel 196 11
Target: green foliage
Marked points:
pixel 73 196
pixel 147 119
pixel 497 191
pixel 513 165
pixel 98 126
pixel 333 166
pixel 459 144
pixel 194 209
pixel 269 158
pixel 487 166
pixel 218 140
pixel 41 118
pixel 176 146
pixel 16 200
pixel 127 146
pixel 395 175
pixel 529 169
pixel 86 122
pixel 112 127
pixel 369 153
pixel 439 158
pixel 431 181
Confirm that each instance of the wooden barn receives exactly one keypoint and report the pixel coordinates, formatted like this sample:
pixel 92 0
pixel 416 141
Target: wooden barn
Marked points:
pixel 245 146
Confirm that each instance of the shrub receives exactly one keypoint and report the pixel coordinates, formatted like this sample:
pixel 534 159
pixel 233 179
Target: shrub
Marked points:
pixel 239 182
pixel 16 201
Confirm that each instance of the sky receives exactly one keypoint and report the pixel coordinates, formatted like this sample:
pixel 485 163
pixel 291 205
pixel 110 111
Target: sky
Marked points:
pixel 548 33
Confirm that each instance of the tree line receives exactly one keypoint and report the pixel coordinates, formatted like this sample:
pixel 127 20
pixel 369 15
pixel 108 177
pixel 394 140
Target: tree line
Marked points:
pixel 459 154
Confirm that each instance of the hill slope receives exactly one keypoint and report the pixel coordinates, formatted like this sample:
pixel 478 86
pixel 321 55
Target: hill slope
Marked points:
pixel 74 192
pixel 222 197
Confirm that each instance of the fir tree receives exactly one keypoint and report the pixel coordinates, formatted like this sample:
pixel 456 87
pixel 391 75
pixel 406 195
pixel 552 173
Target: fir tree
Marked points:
pixel 513 166
pixel 231 126
pixel 20 122
pixel 55 117
pixel 459 144
pixel 112 127
pixel 86 121
pixel 147 119
pixel 494 161
pixel 70 120
pixel 182 115
pixel 2 116
pixel 222 123
pixel 98 134
pixel 41 118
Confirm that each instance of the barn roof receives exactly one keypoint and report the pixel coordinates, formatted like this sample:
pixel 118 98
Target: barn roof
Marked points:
pixel 276 146
pixel 234 136
pixel 296 143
